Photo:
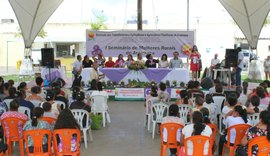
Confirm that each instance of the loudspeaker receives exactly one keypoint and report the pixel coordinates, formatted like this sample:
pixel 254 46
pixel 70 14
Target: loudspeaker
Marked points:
pixel 207 83
pixel 231 58
pixel 47 57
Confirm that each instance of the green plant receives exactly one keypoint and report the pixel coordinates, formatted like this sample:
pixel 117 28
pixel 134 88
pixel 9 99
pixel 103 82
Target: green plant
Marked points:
pixel 182 84
pixel 42 33
pixel 99 22
pixel 168 84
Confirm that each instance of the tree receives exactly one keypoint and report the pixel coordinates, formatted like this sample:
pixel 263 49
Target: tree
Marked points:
pixel 99 21
pixel 42 33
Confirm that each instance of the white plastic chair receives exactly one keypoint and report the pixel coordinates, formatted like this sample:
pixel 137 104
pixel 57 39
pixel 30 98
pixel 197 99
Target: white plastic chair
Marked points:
pixel 254 118
pixel 214 115
pixel 219 101
pixel 159 110
pixel 148 106
pixel 79 114
pixel 184 112
pixel 243 99
pixel 99 105
pixel 61 103
pixel 25 110
pixel 36 103
pixel 7 102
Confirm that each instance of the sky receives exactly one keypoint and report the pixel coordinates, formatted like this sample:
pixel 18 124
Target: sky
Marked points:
pixel 119 11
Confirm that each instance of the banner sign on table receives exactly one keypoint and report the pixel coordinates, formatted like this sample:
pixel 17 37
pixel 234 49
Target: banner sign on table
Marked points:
pixel 110 92
pixel 113 43
pixel 129 93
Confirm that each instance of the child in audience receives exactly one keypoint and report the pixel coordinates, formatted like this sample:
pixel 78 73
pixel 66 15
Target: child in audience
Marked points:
pixel 235 117
pixel 66 120
pixel 47 107
pixel 55 106
pixel 37 123
pixel 231 103
pixel 172 118
pixel 196 128
pixel 209 103
pixel 163 95
pixel 198 104
pixel 254 106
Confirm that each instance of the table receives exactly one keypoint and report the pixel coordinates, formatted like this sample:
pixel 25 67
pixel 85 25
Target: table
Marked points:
pixel 144 75
pixel 55 73
pixel 223 74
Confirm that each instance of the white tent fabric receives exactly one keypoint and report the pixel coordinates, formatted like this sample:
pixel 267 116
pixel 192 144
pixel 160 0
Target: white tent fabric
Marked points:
pixel 32 15
pixel 249 16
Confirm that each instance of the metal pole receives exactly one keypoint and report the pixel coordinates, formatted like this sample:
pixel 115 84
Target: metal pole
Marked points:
pixel 7 58
pixel 187 15
pixel 139 14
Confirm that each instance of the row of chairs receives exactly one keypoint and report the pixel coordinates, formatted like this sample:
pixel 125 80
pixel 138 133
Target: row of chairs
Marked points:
pixel 199 141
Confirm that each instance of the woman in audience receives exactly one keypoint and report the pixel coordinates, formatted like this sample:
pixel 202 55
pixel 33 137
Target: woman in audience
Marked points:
pixel 21 97
pixel 37 123
pixel 47 107
pixel 151 62
pixel 109 63
pixel 254 106
pixel 172 118
pixel 5 91
pixel 195 90
pixel 50 96
pixel 183 98
pixel 35 91
pixel 198 104
pixel 261 129
pixel 120 63
pixel 99 91
pixel 213 89
pixel 79 103
pixel 93 85
pixel 265 86
pixel 129 60
pixel 163 63
pixel 237 116
pixel 163 95
pixel 209 104
pixel 66 120
pixel 231 103
pixel 219 90
pixel 11 83
pixel 60 97
pixel 196 128
pixel 23 86
pixel 11 93
pixel 264 101
pixel 153 93
pixel 75 91
pixel 206 116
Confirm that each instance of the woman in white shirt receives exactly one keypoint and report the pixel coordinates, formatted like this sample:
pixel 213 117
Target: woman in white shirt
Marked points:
pixel 235 117
pixel 163 63
pixel 196 128
pixel 231 103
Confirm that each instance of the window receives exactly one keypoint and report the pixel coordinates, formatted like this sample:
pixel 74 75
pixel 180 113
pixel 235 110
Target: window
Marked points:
pixel 65 50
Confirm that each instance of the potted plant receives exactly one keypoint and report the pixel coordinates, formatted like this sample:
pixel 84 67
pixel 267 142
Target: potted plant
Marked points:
pixel 174 83
pixel 182 84
pixel 168 84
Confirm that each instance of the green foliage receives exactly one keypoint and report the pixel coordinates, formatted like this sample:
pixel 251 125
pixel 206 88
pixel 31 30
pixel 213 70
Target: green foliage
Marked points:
pixel 42 33
pixel 99 22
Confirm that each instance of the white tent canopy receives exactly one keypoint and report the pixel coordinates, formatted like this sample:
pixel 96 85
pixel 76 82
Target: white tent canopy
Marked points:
pixel 32 15
pixel 249 16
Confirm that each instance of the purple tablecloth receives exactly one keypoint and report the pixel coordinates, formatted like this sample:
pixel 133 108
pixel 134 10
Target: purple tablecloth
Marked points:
pixel 155 74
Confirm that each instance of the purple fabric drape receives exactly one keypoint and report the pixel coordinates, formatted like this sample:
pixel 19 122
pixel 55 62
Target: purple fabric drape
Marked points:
pixel 156 74
pixel 115 74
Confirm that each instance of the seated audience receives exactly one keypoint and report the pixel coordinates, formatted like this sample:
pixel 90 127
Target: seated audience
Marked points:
pixel 21 97
pixel 13 112
pixel 109 63
pixel 206 115
pixel 198 104
pixel 99 91
pixel 66 120
pixel 1 88
pixel 196 128
pixel 50 96
pixel 39 81
pixel 35 91
pixel 195 91
pixel 23 86
pixel 47 107
pixel 264 101
pixel 183 98
pixel 151 62
pixel 60 97
pixel 11 83
pixel 235 117
pixel 79 103
pixel 209 104
pixel 93 85
pixel 230 104
pixel 11 93
pixel 172 118
pixel 163 95
pixel 261 129
pixel 153 93
pixel 86 63
pixel 213 89
pixel 254 105
pixel 219 90
pixel 5 91
pixel 37 123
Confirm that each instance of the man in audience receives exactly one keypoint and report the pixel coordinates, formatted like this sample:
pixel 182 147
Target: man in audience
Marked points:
pixel 175 62
pixel 77 66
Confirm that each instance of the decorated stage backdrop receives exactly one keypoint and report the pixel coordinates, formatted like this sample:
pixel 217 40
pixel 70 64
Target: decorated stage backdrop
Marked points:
pixel 113 43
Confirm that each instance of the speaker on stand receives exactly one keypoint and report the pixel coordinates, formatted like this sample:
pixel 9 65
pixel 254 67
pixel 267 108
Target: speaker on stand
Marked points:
pixel 47 59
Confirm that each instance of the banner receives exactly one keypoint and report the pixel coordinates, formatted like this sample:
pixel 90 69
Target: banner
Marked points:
pixel 129 93
pixel 157 43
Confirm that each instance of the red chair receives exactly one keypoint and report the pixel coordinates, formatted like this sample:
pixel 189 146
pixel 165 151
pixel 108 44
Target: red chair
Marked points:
pixel 37 137
pixel 66 137
pixel 198 141
pixel 171 137
pixel 263 146
pixel 11 131
pixel 50 120
pixel 240 132
pixel 214 131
